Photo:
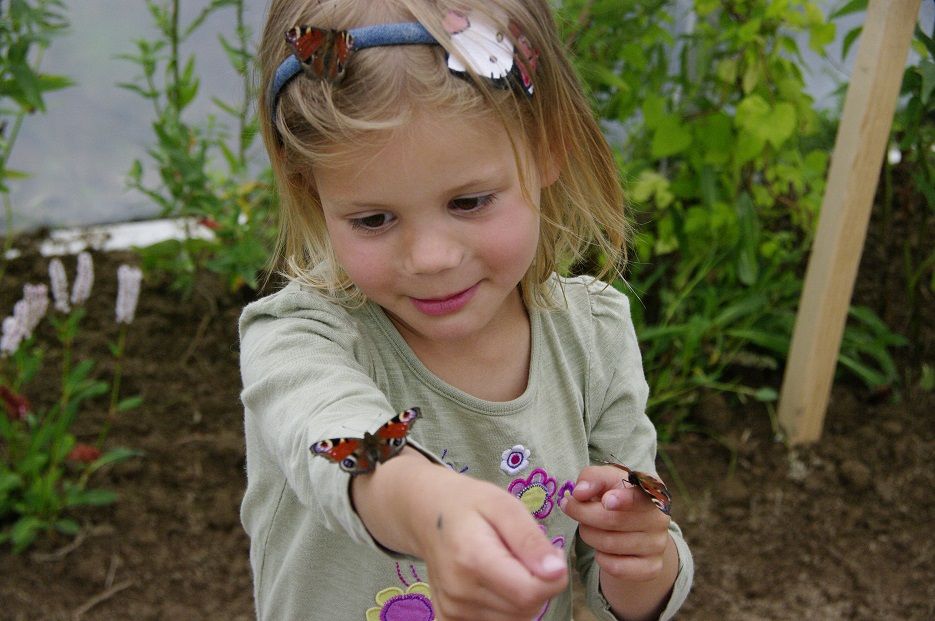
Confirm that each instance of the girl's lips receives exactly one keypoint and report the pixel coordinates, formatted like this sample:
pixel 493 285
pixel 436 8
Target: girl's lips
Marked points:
pixel 443 306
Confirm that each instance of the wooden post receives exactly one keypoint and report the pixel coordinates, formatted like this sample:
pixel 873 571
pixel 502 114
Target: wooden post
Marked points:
pixel 845 210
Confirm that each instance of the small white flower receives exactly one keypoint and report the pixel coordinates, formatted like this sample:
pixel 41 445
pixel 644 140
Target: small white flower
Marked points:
pixel 59 285
pixel 128 292
pixel 515 459
pixel 81 290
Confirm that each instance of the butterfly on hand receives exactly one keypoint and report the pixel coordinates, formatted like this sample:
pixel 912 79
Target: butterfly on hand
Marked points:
pixel 322 52
pixel 361 455
pixel 651 486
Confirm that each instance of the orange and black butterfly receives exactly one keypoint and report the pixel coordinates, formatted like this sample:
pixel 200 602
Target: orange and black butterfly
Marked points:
pixel 322 52
pixel 651 486
pixel 361 455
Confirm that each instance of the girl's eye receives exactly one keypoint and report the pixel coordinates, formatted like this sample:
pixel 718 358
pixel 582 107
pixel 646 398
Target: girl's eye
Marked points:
pixel 373 222
pixel 472 203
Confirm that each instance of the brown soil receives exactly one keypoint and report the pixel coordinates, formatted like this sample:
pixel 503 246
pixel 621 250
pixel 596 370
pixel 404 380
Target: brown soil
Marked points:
pixel 836 531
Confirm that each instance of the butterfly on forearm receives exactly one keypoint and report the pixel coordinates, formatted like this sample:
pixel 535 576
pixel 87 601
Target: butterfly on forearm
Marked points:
pixel 361 455
pixel 651 486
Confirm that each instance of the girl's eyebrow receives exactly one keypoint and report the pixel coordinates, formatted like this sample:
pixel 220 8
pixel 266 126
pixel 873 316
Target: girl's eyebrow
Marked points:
pixel 488 180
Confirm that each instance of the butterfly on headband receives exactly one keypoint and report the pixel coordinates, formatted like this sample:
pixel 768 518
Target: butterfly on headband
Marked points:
pixel 651 486
pixel 361 455
pixel 322 52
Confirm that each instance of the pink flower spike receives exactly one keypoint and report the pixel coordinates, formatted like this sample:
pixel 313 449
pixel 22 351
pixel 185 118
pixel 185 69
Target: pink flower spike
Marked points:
pixel 81 290
pixel 128 292
pixel 37 304
pixel 59 285
pixel 13 334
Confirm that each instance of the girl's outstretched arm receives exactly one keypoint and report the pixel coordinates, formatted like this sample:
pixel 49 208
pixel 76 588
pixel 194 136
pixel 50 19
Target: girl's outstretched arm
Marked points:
pixel 486 557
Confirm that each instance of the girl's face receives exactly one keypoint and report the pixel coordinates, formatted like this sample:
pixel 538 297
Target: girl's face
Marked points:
pixel 433 226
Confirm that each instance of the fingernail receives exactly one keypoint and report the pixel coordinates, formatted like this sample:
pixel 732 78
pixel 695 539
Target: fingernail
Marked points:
pixel 611 502
pixel 583 486
pixel 552 563
pixel 562 502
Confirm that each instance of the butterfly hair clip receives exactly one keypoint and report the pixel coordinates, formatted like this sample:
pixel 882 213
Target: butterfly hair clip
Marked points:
pixel 650 485
pixel 323 53
pixel 361 455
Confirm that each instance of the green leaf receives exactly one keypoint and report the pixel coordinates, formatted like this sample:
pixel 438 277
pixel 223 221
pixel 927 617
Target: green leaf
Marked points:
pixel 670 137
pixel 766 394
pixel 24 532
pixel 113 456
pixel 747 261
pixel 926 69
pixel 94 497
pixel 130 403
pixel 67 526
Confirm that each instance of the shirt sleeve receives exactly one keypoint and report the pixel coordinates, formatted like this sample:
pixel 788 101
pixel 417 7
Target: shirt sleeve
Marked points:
pixel 304 380
pixel 615 409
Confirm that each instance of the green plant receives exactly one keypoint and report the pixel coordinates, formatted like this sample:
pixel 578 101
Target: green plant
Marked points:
pixel 725 157
pixel 231 205
pixel 44 470
pixel 26 30
pixel 914 136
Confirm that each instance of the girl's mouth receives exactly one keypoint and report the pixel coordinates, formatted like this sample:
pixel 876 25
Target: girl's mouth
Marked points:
pixel 446 305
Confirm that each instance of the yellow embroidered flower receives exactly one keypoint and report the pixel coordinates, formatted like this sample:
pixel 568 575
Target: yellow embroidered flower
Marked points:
pixel 394 604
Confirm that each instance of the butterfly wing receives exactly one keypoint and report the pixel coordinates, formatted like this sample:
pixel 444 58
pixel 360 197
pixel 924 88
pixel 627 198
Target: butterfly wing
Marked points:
pixel 391 437
pixel 654 488
pixel 361 455
pixel 350 454
pixel 323 52
pixel 306 41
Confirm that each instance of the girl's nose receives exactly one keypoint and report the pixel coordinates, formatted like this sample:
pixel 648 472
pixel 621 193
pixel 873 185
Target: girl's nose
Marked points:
pixel 432 250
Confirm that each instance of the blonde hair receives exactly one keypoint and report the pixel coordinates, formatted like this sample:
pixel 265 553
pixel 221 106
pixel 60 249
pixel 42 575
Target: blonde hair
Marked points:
pixel 383 88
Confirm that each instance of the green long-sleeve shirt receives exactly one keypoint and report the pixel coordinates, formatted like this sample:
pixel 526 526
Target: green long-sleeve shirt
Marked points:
pixel 314 370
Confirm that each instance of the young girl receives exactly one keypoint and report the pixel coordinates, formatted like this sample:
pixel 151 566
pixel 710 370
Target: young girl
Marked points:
pixel 429 407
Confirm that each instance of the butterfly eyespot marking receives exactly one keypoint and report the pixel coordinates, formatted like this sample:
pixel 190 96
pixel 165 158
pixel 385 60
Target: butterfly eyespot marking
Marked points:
pixel 361 455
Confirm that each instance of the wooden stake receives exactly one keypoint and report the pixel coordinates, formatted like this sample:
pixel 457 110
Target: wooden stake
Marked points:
pixel 845 211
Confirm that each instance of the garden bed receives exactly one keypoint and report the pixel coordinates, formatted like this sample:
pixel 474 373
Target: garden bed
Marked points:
pixel 839 530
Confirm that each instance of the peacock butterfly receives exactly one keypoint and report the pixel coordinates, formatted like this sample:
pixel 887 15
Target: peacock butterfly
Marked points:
pixel 651 486
pixel 361 455
pixel 322 52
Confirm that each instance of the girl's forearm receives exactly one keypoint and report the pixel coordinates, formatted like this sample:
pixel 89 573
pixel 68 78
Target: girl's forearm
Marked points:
pixel 635 601
pixel 390 503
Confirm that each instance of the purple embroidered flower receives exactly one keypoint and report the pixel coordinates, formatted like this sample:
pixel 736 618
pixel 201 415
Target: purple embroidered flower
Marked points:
pixel 394 604
pixel 536 491
pixel 566 489
pixel 514 459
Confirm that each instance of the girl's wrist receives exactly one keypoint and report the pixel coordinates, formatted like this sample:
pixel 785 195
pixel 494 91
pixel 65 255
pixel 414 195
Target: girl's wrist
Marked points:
pixel 391 501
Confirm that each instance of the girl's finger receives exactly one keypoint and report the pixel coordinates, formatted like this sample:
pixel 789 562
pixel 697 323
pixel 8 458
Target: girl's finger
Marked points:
pixel 637 543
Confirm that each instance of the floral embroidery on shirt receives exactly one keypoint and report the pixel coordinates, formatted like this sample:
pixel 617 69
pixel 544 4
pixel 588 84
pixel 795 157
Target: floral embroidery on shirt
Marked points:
pixel 514 459
pixel 565 490
pixel 536 491
pixel 395 604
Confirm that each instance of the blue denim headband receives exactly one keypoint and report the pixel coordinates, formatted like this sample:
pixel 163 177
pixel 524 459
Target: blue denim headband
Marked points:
pixel 406 33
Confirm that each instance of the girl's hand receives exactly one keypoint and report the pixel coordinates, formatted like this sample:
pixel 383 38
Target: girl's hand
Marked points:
pixel 628 532
pixel 486 556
